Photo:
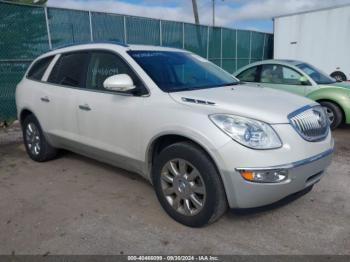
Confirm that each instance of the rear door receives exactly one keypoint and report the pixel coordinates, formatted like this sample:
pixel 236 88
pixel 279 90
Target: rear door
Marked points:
pixel 66 80
pixel 38 91
pixel 281 77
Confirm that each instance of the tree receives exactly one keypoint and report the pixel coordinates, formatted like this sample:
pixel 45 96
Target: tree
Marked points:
pixel 35 2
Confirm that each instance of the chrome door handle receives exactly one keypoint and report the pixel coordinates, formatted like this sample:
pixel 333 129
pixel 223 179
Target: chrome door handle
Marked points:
pixel 45 99
pixel 85 107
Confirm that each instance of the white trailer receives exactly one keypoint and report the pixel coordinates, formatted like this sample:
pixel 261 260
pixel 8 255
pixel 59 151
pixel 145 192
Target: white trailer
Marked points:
pixel 321 38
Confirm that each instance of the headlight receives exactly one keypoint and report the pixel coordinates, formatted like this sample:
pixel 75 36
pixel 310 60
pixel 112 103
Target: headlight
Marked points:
pixel 248 132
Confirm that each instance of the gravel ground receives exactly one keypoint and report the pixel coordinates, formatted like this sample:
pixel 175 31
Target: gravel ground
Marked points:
pixel 75 205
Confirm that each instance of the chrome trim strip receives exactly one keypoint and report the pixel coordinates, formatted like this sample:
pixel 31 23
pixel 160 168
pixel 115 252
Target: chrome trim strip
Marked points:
pixel 293 164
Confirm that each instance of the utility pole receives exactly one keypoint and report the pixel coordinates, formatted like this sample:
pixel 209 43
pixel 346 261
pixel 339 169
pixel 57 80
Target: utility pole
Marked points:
pixel 195 11
pixel 213 2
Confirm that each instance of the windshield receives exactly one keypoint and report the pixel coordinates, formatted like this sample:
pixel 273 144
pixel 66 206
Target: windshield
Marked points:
pixel 179 71
pixel 318 76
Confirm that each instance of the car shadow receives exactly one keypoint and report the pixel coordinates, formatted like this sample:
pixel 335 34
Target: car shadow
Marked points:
pixel 283 202
pixel 344 127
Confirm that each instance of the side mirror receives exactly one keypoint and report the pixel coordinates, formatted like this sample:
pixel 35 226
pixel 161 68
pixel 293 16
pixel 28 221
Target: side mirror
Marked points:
pixel 119 83
pixel 304 81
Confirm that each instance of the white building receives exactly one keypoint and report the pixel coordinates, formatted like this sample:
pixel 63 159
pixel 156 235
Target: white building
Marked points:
pixel 320 37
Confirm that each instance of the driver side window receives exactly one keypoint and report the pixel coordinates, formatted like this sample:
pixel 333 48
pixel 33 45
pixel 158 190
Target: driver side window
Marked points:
pixel 278 74
pixel 103 65
pixel 249 75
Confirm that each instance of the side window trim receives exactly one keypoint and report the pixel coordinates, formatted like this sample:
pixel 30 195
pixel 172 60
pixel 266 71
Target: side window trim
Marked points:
pixel 258 74
pixel 50 67
pixel 58 56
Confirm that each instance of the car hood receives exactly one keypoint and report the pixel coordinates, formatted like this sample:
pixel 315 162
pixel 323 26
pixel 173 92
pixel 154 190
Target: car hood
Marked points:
pixel 264 104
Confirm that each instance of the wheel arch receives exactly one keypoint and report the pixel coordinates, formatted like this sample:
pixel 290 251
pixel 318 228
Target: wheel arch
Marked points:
pixel 339 73
pixel 161 141
pixel 24 113
pixel 337 104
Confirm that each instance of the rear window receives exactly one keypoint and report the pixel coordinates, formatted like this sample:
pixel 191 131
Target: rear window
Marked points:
pixel 37 71
pixel 70 70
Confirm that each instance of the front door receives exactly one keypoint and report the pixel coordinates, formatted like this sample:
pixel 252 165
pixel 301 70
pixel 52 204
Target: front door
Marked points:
pixel 109 122
pixel 282 77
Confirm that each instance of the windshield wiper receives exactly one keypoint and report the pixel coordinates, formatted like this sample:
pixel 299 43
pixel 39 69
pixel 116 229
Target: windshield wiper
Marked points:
pixel 229 84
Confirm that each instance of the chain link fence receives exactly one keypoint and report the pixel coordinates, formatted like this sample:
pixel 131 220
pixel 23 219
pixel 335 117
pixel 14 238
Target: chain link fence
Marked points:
pixel 28 31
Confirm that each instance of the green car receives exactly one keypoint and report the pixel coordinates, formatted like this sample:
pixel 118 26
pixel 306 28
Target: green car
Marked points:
pixel 302 79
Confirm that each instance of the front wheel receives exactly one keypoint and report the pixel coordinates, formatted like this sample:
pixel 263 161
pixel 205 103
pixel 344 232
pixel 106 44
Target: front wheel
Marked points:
pixel 334 113
pixel 188 185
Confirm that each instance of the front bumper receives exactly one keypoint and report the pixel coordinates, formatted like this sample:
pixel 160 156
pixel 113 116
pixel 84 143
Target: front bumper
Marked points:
pixel 304 161
pixel 301 175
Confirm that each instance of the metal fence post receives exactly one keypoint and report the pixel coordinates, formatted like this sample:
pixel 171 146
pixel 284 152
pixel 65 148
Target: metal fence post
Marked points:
pixel 183 35
pixel 91 33
pixel 263 53
pixel 236 50
pixel 221 58
pixel 208 42
pixel 250 47
pixel 48 28
pixel 160 33
pixel 125 33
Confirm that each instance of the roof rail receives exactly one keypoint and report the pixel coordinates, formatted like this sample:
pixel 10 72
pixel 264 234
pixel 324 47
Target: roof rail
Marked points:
pixel 93 42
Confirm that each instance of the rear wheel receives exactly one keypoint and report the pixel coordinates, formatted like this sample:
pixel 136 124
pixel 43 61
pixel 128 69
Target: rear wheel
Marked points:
pixel 188 185
pixel 35 142
pixel 334 113
pixel 339 76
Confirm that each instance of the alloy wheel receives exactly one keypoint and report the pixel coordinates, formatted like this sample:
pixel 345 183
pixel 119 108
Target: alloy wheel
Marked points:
pixel 330 114
pixel 33 139
pixel 183 187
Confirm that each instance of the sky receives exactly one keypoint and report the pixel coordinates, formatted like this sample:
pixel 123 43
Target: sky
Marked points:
pixel 242 14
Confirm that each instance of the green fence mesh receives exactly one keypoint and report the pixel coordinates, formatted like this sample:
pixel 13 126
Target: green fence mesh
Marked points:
pixel 229 50
pixel 257 42
pixel 68 26
pixel 23 32
pixel 25 35
pixel 142 31
pixel 107 27
pixel 10 74
pixel 196 39
pixel 172 34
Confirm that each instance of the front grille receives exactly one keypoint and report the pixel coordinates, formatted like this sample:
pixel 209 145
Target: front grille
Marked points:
pixel 311 123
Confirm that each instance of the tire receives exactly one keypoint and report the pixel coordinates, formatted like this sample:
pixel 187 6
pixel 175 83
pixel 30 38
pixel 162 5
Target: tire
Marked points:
pixel 334 113
pixel 209 187
pixel 36 145
pixel 339 76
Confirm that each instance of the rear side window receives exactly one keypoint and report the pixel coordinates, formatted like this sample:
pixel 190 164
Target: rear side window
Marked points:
pixel 70 70
pixel 37 71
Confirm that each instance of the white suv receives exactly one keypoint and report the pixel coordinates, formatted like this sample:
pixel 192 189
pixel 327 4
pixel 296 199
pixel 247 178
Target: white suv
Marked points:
pixel 201 138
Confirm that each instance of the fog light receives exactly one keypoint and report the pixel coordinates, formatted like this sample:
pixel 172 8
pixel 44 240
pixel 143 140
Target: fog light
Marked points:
pixel 265 176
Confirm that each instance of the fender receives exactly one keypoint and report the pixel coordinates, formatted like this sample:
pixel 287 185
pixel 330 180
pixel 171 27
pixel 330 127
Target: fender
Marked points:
pixel 198 138
pixel 341 97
